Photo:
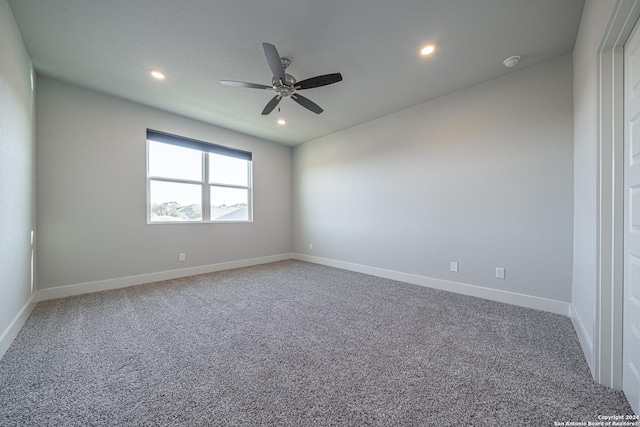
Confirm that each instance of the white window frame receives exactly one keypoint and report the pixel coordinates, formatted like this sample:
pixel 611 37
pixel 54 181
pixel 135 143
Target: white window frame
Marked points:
pixel 204 148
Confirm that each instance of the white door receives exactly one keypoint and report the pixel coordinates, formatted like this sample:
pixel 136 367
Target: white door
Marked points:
pixel 631 314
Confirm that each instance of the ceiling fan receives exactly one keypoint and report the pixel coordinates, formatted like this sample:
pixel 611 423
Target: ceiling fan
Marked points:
pixel 285 84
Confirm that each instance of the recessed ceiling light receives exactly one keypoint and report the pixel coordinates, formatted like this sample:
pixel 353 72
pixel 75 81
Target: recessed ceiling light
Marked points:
pixel 157 74
pixel 427 50
pixel 282 122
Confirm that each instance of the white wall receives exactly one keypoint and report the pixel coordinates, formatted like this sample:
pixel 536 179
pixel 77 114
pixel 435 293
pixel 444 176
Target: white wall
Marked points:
pixel 595 18
pixel 483 176
pixel 91 190
pixel 17 179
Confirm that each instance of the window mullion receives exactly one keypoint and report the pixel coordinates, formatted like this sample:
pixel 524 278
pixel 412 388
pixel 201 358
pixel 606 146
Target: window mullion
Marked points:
pixel 176 180
pixel 215 184
pixel 250 190
pixel 206 210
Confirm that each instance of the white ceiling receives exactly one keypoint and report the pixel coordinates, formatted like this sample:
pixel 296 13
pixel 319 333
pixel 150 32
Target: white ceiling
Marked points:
pixel 111 45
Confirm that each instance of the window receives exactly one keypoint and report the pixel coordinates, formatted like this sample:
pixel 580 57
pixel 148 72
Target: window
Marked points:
pixel 194 181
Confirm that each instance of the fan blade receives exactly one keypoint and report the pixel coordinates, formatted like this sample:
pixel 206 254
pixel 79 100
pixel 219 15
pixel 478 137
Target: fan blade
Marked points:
pixel 244 84
pixel 273 59
pixel 318 81
pixel 307 103
pixel 271 105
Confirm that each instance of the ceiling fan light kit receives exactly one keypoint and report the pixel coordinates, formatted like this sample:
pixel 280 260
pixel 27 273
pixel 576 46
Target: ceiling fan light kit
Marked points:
pixel 285 85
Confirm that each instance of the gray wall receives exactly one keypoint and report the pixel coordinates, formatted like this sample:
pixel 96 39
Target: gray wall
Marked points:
pixel 91 190
pixel 595 18
pixel 483 176
pixel 17 168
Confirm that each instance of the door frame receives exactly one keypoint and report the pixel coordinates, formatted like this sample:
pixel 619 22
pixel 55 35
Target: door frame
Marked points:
pixel 607 348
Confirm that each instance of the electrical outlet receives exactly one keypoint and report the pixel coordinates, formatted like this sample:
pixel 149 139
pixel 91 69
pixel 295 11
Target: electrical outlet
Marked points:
pixel 453 267
pixel 182 257
pixel 500 273
pixel 310 246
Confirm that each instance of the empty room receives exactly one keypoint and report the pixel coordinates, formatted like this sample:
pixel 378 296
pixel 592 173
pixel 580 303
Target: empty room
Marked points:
pixel 319 213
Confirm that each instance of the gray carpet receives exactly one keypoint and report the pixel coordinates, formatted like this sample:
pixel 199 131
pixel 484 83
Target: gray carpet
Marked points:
pixel 295 344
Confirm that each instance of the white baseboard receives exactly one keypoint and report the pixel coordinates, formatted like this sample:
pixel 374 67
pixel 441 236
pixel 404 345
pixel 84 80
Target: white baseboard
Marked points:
pixel 544 304
pixel 123 282
pixel 583 337
pixel 9 334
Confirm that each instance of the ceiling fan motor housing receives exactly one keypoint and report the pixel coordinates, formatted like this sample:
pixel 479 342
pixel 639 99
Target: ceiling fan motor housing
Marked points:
pixel 289 80
pixel 287 89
